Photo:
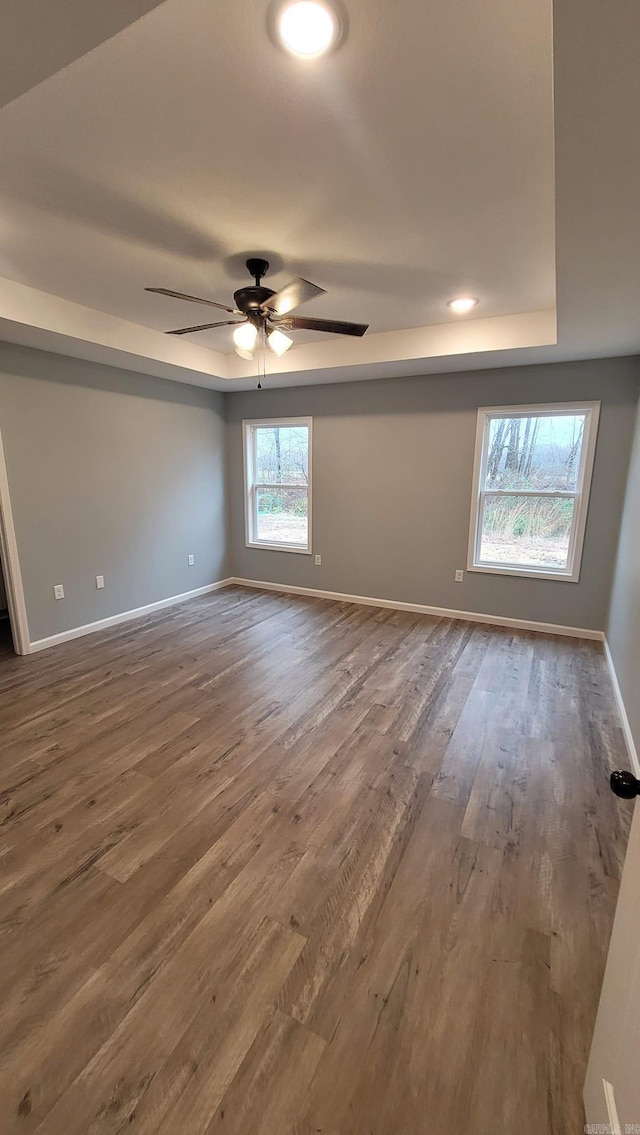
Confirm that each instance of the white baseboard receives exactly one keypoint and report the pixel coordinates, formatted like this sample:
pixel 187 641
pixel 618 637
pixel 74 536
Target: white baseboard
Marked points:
pixel 421 609
pixel 124 616
pixel 336 596
pixel 626 726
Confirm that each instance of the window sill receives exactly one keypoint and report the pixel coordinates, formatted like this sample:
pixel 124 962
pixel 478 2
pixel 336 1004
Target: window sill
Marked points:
pixel 508 569
pixel 263 546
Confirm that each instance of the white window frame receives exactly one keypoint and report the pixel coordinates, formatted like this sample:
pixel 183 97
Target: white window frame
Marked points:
pixel 251 486
pixel 571 574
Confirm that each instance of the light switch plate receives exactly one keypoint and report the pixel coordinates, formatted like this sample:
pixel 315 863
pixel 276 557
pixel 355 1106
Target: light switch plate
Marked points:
pixel 58 591
pixel 192 560
pixel 99 581
pixel 459 575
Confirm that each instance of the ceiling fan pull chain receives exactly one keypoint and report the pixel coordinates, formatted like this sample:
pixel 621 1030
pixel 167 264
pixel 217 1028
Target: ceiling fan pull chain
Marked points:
pixel 264 357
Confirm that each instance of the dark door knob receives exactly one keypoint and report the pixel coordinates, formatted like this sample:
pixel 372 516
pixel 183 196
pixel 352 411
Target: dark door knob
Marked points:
pixel 625 784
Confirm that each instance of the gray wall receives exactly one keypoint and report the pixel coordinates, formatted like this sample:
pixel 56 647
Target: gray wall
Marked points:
pixel 623 631
pixel 408 446
pixel 110 473
pixel 123 475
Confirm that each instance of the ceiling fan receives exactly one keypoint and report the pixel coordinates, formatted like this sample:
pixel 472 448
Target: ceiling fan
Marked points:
pixel 266 313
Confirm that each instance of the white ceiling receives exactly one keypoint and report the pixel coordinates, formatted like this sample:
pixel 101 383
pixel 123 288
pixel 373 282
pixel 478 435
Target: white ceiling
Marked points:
pixel 39 39
pixel 415 163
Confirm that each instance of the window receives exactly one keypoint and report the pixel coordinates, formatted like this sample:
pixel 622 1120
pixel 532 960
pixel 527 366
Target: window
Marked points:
pixel 532 477
pixel 277 471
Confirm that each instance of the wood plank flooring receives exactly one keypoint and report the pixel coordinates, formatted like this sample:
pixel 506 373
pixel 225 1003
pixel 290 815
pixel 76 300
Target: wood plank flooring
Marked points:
pixel 281 866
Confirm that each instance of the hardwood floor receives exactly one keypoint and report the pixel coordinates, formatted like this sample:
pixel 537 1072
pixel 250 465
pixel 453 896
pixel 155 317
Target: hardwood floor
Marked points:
pixel 281 866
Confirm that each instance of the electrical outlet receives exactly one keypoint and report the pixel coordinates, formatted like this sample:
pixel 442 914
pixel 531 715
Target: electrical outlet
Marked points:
pixel 318 561
pixel 459 575
pixel 58 591
pixel 192 560
pixel 99 581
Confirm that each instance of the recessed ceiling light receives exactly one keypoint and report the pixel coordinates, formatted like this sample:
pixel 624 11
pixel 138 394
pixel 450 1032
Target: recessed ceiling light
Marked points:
pixel 307 27
pixel 462 304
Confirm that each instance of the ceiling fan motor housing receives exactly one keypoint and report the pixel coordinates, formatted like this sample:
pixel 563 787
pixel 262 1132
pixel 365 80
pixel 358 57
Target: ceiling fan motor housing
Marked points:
pixel 248 300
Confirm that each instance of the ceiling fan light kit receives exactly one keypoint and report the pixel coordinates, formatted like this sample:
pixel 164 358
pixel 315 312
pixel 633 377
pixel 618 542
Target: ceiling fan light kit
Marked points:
pixel 279 342
pixel 245 336
pixel 267 314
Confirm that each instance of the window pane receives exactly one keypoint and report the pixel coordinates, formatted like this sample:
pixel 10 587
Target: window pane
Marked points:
pixel 283 516
pixel 534 453
pixel 526 531
pixel 282 455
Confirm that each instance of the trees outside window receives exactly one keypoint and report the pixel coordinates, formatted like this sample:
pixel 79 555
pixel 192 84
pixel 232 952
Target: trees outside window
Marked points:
pixel 531 487
pixel 277 481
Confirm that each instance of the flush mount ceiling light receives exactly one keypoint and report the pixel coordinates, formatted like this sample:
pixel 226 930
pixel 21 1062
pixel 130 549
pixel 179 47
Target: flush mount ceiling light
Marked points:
pixel 307 28
pixel 462 304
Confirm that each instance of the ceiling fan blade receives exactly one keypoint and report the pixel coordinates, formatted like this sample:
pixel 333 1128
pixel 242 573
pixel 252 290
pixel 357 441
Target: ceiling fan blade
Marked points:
pixel 291 296
pixel 192 299
pixel 205 327
pixel 333 326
